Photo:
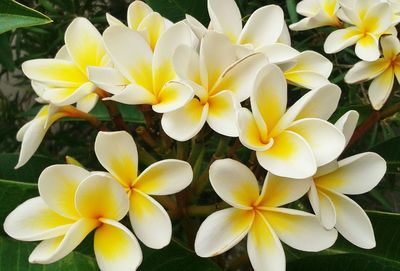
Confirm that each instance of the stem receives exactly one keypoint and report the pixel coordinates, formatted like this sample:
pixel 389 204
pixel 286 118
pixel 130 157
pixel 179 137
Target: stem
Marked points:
pixel 146 136
pixel 370 122
pixel 169 204
pixel 113 111
pixel 95 122
pixel 145 158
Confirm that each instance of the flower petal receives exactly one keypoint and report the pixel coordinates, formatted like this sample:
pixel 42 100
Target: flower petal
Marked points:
pixel 58 185
pixel 326 141
pixel 225 18
pixel 347 124
pixel 380 89
pixel 149 220
pixel 134 65
pixel 116 248
pixel 234 183
pixel 107 78
pixel 240 76
pixel 117 153
pixel 165 177
pixel 67 96
pixel 390 46
pixel 250 135
pixel 221 231
pixel 299 229
pixel 152 26
pixel 173 95
pixel 365 70
pixel 340 39
pixel 351 221
pixel 312 61
pixel 87 103
pixel 278 53
pixel 278 191
pixel 186 122
pixel 52 250
pixel 198 29
pixel 264 247
pixel 111 20
pixel 378 18
pixel 306 79
pixel 58 72
pixel 33 220
pixel 134 94
pixel 222 108
pixel 263 27
pixel 356 174
pixel 216 55
pixel 101 196
pixel 84 43
pixel 186 64
pixel 269 97
pixel 367 48
pixel 290 156
pixel 137 11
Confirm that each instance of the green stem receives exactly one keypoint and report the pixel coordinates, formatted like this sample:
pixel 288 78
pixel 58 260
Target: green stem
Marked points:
pixel 144 157
pixel 95 122
pixel 113 111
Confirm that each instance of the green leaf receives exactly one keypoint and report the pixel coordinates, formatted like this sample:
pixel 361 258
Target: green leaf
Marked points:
pixel 14 257
pixel 175 10
pixel 344 256
pixel 175 257
pixel 389 151
pixel 28 173
pixel 14 15
pixel 6 56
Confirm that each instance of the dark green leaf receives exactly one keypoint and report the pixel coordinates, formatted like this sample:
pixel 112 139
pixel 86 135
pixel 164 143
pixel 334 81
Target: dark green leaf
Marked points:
pixel 6 57
pixel 344 256
pixel 14 15
pixel 175 257
pixel 390 152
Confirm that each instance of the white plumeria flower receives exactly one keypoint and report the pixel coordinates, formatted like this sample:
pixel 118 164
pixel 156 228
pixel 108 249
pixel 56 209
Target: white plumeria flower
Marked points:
pixel 32 133
pixel 220 82
pixel 369 22
pixel 73 203
pixel 260 217
pixel 117 153
pixel 142 18
pixel 64 80
pixel 141 76
pixel 318 13
pixel 265 26
pixel 382 72
pixel 354 175
pixel 290 143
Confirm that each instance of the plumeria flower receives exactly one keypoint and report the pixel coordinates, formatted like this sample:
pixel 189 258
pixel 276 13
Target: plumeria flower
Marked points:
pixel 220 82
pixel 141 76
pixel 369 22
pixel 259 217
pixel 32 133
pixel 64 80
pixel 382 72
pixel 318 13
pixel 354 175
pixel 117 153
pixel 142 18
pixel 72 203
pixel 290 143
pixel 265 26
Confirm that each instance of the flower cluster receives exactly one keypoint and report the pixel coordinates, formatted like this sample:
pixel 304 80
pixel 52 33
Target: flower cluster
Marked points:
pixel 367 24
pixel 225 78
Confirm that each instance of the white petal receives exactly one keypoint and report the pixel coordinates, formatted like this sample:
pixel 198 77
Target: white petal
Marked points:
pixel 117 153
pixel 365 70
pixel 151 27
pixel 250 134
pixel 234 183
pixel 33 220
pixel 52 250
pixel 326 141
pixel 263 27
pixel 347 124
pixel 107 78
pixel 352 222
pixel 116 248
pixel 165 177
pixel 367 48
pixel 340 39
pixel 225 18
pixel 134 94
pixel 149 220
pixel 58 185
pixel 101 196
pixel 67 96
pixel 264 247
pixel 356 174
pixel 137 11
pixel 290 156
pixel 221 111
pixel 186 64
pixel 306 79
pixel 380 89
pixel 390 46
pixel 221 231
pixel 312 61
pixel 87 103
pixel 186 122
pixel 278 53
pixel 84 43
pixel 63 54
pixel 304 233
pixel 173 95
pixel 111 20
pixel 198 29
